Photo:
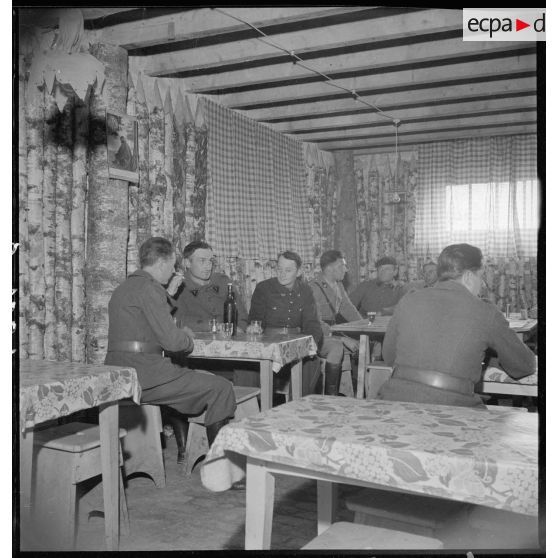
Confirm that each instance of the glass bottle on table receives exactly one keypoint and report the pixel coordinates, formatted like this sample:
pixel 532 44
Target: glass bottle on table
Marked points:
pixel 230 312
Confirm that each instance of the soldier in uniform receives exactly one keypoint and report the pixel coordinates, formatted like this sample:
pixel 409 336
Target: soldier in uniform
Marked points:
pixel 381 294
pixel 333 307
pixel 437 337
pixel 430 274
pixel 141 328
pixel 285 303
pixel 203 293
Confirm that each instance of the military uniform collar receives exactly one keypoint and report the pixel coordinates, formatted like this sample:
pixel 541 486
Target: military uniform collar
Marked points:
pixel 142 273
pixel 194 287
pixel 285 290
pixel 450 285
pixel 324 282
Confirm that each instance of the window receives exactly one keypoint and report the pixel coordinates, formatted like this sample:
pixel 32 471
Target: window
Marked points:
pixel 483 191
pixel 478 211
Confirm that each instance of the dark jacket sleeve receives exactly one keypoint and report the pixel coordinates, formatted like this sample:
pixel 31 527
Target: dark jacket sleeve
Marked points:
pixel 390 338
pixel 257 304
pixel 514 356
pixel 310 321
pixel 157 313
pixel 357 295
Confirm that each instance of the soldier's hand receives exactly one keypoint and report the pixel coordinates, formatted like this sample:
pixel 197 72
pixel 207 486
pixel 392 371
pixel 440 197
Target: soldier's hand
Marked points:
pixel 188 331
pixel 174 283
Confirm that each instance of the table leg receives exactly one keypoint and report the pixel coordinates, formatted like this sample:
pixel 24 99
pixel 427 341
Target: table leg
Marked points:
pixel 327 504
pixel 266 384
pixel 363 361
pixel 26 471
pixel 296 379
pixel 108 425
pixel 260 494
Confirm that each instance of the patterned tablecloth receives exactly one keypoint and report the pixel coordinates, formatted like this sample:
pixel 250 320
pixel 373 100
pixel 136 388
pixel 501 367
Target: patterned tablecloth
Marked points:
pixel 520 326
pixel 493 374
pixel 279 349
pixel 49 389
pixel 460 453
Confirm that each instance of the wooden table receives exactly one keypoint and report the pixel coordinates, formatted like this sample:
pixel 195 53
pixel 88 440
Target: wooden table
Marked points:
pixel 272 352
pixel 49 390
pixel 366 330
pixel 465 454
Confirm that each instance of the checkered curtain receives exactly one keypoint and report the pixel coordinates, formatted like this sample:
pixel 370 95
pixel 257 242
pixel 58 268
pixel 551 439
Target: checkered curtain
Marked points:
pixel 256 198
pixel 483 191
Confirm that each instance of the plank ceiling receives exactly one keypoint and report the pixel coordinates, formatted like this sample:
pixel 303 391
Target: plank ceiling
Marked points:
pixel 409 62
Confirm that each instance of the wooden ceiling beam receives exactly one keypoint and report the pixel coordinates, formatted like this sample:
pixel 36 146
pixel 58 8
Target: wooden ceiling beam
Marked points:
pixel 428 137
pixel 400 26
pixel 450 96
pixel 417 123
pixel 386 60
pixel 413 145
pixel 389 83
pixel 474 120
pixel 198 25
pixel 488 104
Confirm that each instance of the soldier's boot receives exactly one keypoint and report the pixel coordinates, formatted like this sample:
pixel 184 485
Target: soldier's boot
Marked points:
pixel 332 378
pixel 180 427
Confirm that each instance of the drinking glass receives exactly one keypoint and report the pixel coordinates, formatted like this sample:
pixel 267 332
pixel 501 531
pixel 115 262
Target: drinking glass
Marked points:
pixel 228 329
pixel 213 325
pixel 371 317
pixel 256 327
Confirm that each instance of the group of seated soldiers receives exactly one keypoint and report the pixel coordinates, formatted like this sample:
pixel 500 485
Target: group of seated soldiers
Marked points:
pixel 434 340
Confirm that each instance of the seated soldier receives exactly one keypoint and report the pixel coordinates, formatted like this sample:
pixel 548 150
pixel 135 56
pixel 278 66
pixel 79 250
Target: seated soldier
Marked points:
pixel 141 328
pixel 334 306
pixel 430 275
pixel 200 295
pixel 286 301
pixel 380 294
pixel 203 292
pixel 437 337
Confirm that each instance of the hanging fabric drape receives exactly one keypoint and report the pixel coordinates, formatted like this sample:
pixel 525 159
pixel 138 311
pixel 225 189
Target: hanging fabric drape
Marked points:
pixel 483 191
pixel 256 197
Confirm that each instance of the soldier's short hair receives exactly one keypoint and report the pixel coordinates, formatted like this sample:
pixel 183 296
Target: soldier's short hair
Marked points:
pixel 329 257
pixel 154 249
pixel 386 260
pixel 455 259
pixel 293 256
pixel 195 245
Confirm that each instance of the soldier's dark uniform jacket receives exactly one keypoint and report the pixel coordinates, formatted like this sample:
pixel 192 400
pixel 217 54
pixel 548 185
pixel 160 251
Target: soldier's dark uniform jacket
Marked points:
pixel 373 296
pixel 196 304
pixel 277 307
pixel 138 311
pixel 446 329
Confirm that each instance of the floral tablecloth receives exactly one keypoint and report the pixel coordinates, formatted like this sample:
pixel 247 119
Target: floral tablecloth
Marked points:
pixel 279 349
pixel 493 374
pixel 465 454
pixel 49 389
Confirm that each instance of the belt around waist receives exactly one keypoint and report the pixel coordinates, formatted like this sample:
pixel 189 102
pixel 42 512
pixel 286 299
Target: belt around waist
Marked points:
pixel 435 379
pixel 135 347
pixel 271 330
